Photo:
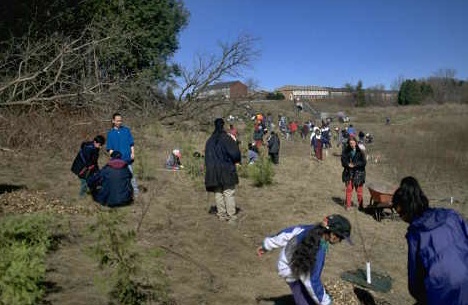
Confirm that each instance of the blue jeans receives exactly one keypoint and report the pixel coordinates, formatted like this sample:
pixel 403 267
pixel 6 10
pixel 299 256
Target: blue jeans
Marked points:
pixel 300 294
pixel 134 183
pixel 83 187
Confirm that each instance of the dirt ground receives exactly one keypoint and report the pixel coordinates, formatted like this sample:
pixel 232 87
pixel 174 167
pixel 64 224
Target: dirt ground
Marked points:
pixel 210 262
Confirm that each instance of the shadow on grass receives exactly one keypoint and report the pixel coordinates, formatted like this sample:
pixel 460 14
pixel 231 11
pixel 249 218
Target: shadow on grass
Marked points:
pixel 50 288
pixel 339 201
pixel 8 188
pixel 364 296
pixel 281 300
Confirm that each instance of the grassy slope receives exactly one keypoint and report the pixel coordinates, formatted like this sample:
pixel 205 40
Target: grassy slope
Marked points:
pixel 209 262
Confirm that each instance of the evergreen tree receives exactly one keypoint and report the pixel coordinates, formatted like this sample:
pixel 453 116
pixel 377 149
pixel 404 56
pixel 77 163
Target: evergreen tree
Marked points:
pixel 360 95
pixel 140 35
pixel 410 93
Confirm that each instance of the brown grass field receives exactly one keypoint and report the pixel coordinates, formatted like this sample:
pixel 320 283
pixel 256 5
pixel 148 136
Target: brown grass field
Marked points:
pixel 209 262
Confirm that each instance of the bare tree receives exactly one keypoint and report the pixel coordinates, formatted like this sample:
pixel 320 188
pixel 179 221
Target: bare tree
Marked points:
pixel 233 58
pixel 444 85
pixel 252 85
pixel 396 84
pixel 50 71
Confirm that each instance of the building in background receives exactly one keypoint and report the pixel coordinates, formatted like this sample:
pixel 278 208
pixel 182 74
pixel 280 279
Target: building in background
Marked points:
pixel 308 93
pixel 294 93
pixel 225 90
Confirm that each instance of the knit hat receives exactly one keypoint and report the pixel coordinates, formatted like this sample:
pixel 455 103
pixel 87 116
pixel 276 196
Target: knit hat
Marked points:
pixel 339 225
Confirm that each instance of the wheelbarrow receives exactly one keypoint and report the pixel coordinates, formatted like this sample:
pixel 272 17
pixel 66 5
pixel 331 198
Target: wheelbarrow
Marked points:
pixel 380 200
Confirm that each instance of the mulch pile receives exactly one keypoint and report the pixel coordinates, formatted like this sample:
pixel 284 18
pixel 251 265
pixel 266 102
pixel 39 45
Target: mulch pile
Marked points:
pixel 26 201
pixel 344 293
pixel 341 292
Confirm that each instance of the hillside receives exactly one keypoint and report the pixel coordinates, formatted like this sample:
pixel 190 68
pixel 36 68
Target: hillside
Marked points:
pixel 209 262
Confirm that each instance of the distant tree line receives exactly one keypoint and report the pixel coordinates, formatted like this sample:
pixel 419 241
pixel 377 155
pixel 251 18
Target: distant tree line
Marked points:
pixel 443 87
pixel 414 92
pixel 274 96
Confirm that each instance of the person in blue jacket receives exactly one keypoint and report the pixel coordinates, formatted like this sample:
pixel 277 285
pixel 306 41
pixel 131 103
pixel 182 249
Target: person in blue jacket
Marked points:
pixel 112 185
pixel 437 248
pixel 120 138
pixel 302 256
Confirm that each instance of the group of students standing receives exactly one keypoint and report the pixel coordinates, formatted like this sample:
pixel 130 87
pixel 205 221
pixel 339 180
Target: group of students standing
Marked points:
pixel 273 141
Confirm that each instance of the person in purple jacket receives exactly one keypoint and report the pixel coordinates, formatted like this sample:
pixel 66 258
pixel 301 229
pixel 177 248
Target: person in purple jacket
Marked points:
pixel 302 256
pixel 437 248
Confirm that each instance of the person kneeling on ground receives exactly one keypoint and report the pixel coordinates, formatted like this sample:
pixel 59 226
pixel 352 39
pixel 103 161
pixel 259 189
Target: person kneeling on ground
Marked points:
pixel 173 161
pixel 252 153
pixel 302 256
pixel 112 185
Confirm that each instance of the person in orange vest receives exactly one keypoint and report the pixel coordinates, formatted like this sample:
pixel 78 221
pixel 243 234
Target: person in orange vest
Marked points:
pixel 258 135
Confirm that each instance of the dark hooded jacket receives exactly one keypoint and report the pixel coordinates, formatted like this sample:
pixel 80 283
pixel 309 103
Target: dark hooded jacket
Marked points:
pixel 358 173
pixel 273 143
pixel 112 185
pixel 86 161
pixel 221 155
pixel 438 258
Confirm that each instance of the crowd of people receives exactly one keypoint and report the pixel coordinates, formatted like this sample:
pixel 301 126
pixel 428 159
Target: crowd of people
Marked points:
pixel 437 237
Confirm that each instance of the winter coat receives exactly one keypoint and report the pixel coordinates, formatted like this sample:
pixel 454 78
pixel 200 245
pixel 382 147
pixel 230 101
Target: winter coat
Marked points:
pixel 86 161
pixel 286 239
pixel 112 186
pixel 438 258
pixel 357 174
pixel 258 133
pixel 273 144
pixel 221 155
pixel 121 140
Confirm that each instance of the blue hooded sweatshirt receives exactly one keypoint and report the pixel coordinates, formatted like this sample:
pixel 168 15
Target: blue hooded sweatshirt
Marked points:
pixel 438 258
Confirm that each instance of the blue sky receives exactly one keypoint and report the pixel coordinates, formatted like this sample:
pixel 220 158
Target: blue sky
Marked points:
pixel 333 42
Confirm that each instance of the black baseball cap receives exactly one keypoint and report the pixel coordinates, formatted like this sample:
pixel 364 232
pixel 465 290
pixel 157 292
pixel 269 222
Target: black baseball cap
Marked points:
pixel 339 225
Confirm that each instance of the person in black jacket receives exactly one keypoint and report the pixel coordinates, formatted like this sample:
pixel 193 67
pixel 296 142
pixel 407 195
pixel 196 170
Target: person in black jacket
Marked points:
pixel 221 156
pixel 274 147
pixel 112 185
pixel 86 161
pixel 354 163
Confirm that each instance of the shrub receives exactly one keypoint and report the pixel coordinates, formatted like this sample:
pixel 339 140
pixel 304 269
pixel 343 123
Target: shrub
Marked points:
pixel 116 249
pixel 261 172
pixel 24 241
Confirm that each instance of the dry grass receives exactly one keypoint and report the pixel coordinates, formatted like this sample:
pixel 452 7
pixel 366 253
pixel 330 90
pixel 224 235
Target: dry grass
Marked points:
pixel 209 262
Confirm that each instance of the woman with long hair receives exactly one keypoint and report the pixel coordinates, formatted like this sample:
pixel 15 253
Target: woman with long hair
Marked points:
pixel 354 163
pixel 302 257
pixel 437 248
